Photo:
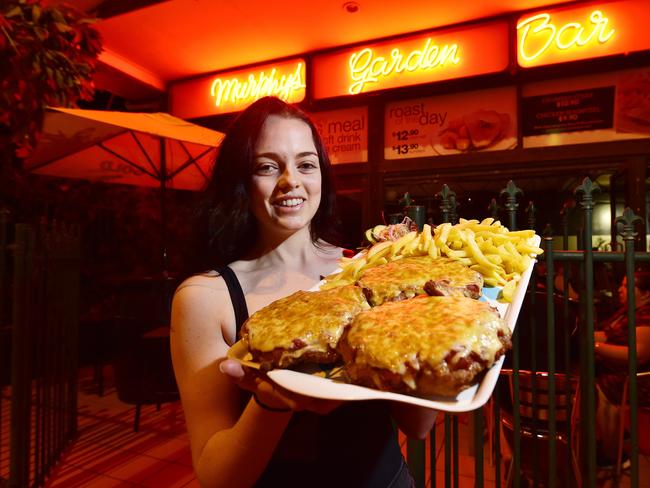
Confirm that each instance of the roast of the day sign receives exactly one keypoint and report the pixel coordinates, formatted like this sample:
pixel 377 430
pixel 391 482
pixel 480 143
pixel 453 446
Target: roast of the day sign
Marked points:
pixel 403 314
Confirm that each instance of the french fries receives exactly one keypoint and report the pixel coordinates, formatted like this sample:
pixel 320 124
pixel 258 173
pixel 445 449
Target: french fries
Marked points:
pixel 488 247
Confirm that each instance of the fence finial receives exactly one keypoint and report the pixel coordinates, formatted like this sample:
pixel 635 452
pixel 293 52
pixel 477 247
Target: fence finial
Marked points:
pixel 567 206
pixel 511 191
pixel 548 231
pixel 453 208
pixel 531 213
pixel 627 221
pixel 588 189
pixel 493 208
pixel 445 206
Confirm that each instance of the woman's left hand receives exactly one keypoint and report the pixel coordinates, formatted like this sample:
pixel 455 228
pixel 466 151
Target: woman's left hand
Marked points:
pixel 271 394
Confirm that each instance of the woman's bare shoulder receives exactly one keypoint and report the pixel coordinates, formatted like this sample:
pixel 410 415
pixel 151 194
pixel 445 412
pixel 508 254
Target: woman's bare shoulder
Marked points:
pixel 204 292
pixel 201 302
pixel 210 280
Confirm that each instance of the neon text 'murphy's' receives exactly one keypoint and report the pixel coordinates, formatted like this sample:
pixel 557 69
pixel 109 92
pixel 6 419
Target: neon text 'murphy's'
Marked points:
pixel 257 85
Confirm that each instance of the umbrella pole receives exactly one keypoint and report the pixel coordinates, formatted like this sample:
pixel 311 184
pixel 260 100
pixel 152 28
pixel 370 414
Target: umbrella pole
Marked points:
pixel 163 205
pixel 166 291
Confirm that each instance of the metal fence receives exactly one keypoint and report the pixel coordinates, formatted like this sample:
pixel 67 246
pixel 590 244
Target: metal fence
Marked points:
pixel 39 270
pixel 543 407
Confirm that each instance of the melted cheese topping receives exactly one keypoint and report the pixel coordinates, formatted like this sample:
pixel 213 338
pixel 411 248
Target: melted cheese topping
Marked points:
pixel 423 331
pixel 410 274
pixel 313 318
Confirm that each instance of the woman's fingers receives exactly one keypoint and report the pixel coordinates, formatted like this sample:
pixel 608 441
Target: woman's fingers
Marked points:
pixel 267 393
pixel 232 368
pixel 271 393
pixel 244 377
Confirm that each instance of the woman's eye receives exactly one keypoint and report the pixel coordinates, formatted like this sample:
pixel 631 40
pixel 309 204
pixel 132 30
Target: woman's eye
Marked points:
pixel 264 168
pixel 308 166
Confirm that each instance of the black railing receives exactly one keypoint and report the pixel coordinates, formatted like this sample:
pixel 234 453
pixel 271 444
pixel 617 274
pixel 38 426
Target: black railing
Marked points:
pixel 41 324
pixel 543 407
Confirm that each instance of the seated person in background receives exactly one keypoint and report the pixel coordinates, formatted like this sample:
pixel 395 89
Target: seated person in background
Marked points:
pixel 558 279
pixel 612 362
pixel 605 290
pixel 611 342
pixel 559 282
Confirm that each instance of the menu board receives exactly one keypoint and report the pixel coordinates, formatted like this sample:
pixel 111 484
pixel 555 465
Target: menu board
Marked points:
pixel 596 108
pixel 344 133
pixel 462 123
pixel 568 111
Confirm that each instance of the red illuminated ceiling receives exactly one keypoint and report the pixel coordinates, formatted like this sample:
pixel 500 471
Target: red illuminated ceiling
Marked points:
pixel 177 39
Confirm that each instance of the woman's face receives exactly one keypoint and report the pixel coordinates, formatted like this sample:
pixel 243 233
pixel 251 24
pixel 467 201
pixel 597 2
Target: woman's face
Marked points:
pixel 285 188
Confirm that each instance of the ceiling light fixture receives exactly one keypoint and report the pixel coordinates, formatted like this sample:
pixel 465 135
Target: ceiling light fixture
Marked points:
pixel 351 7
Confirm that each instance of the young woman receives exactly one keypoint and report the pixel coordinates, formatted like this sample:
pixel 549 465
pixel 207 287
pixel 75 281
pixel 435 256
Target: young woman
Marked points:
pixel 271 206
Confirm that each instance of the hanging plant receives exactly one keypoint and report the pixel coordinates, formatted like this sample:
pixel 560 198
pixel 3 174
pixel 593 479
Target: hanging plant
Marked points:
pixel 47 58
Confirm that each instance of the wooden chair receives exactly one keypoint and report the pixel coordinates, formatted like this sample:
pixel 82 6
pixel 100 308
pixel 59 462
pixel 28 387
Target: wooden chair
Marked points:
pixel 534 408
pixel 534 307
pixel 643 389
pixel 143 368
pixel 144 373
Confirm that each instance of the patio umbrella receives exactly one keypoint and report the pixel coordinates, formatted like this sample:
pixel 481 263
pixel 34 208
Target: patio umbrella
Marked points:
pixel 142 149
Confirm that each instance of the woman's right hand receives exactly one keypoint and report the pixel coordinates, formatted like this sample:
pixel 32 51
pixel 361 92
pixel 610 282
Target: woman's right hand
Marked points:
pixel 272 395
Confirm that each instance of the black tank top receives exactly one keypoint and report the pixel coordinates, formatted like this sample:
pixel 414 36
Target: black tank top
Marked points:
pixel 354 446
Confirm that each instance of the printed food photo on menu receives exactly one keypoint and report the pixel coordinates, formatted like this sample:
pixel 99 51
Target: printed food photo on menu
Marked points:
pixel 476 131
pixel 484 120
pixel 633 102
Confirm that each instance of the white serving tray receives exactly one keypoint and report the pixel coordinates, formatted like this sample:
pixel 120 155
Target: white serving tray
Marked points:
pixel 331 385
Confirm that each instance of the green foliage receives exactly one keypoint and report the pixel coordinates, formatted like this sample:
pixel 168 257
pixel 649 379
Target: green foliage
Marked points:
pixel 47 58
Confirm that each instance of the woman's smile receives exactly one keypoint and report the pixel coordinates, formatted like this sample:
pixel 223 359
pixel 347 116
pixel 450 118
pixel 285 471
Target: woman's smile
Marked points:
pixel 289 204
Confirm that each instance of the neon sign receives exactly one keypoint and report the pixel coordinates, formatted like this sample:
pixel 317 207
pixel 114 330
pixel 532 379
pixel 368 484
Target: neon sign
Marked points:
pixel 545 34
pixel 240 91
pixel 366 67
pixel 582 32
pixel 411 60
pixel 234 90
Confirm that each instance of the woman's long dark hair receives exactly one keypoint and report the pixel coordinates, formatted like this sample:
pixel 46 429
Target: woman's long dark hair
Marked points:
pixel 227 227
